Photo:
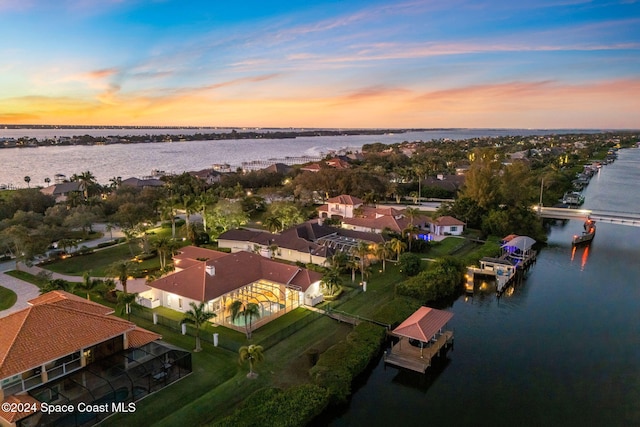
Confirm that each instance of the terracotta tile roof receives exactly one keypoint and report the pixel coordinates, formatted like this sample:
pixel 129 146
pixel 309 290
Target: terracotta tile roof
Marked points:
pixel 53 326
pixel 423 324
pixel 447 221
pixel 66 299
pixel 232 271
pixel 12 417
pixel 345 199
pixel 139 337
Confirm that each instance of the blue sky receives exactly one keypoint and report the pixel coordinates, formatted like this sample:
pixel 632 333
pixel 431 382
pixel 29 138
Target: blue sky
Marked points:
pixel 543 64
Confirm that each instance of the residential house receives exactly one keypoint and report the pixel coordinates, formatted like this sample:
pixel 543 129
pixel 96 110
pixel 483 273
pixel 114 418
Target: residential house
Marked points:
pixel 342 206
pixel 447 225
pixel 63 349
pixel 210 176
pixel 142 183
pixel 218 279
pixel 62 190
pixel 308 242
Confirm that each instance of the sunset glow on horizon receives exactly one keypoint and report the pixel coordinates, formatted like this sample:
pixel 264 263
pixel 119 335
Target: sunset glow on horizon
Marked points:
pixel 356 64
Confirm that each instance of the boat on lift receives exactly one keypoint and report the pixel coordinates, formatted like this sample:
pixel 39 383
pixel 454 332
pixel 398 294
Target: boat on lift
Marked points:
pixel 587 235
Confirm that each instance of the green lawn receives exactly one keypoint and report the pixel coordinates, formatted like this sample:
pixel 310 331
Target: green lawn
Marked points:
pixel 7 298
pixel 218 382
pixel 445 247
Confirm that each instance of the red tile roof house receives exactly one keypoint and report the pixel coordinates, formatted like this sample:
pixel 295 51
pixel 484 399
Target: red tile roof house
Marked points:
pixel 63 349
pixel 447 226
pixel 218 279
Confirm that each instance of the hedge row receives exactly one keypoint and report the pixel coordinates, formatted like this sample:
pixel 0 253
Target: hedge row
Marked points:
pixel 337 367
pixel 296 406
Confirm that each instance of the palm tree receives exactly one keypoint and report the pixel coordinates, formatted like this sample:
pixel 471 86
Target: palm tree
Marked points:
pixel 47 180
pixel 125 302
pixel 331 282
pixel 339 260
pixel 87 181
pixel 88 284
pixel 272 223
pixel 197 316
pixel 397 246
pixel 168 211
pixel 122 270
pixel 27 179
pixel 162 245
pixel 202 202
pixel 381 251
pixel 410 230
pixel 362 250
pixel 353 264
pixel 412 214
pixel 246 310
pixel 254 354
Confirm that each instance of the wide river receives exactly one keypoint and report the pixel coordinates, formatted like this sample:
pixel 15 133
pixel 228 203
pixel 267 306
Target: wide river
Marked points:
pixel 127 160
pixel 562 350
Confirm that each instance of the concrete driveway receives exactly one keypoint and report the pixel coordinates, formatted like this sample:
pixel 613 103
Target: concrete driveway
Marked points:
pixel 25 291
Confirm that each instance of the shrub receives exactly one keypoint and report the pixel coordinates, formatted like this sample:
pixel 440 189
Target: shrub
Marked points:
pixel 442 280
pixel 339 364
pixel 296 406
pixel 409 264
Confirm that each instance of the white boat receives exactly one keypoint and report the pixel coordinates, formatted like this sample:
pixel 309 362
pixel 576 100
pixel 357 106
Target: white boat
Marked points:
pixel 573 198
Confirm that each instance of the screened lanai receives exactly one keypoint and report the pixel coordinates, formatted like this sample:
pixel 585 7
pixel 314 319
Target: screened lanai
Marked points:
pixel 124 377
pixel 273 300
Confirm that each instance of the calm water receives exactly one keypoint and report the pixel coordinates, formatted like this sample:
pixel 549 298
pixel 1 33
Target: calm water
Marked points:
pixel 108 161
pixel 562 350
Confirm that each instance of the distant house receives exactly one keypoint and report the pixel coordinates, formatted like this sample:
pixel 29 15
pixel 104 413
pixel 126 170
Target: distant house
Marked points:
pixel 308 242
pixel 354 215
pixel 64 349
pixel 62 190
pixel 280 168
pixel 218 279
pixel 210 176
pixel 142 183
pixel 335 163
pixel 342 206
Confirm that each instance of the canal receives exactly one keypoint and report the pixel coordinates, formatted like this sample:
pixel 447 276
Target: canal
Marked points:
pixel 562 349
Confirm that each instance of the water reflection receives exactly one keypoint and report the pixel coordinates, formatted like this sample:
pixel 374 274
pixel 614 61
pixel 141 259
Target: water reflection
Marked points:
pixel 421 382
pixel 584 257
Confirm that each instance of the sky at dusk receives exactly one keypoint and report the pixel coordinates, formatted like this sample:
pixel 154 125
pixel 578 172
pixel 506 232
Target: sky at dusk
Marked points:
pixel 353 64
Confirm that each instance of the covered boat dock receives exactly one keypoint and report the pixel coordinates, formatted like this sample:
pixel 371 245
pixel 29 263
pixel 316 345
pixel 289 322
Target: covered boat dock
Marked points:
pixel 420 339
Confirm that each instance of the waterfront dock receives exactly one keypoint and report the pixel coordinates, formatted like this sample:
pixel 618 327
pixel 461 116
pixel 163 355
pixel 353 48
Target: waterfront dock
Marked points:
pixel 509 268
pixel 420 339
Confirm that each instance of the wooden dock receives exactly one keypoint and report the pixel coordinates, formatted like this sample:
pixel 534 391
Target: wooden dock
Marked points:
pixel 405 355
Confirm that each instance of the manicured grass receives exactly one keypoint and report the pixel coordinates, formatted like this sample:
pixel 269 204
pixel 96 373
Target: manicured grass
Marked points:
pixel 7 298
pixel 445 247
pixel 218 382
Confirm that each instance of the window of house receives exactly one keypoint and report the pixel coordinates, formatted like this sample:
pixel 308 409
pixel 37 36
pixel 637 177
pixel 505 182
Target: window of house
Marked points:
pixel 454 229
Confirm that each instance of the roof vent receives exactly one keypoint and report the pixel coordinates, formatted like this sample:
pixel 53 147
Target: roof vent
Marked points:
pixel 211 270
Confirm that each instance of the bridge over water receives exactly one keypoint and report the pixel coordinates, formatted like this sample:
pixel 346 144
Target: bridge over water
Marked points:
pixel 620 218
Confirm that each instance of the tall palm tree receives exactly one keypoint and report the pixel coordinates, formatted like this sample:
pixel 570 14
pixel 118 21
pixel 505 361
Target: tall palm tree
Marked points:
pixel 27 179
pixel 339 260
pixel 122 270
pixel 412 214
pixel 361 251
pixel 381 251
pixel 252 353
pixel 203 201
pixel 162 245
pixel 353 264
pixel 168 211
pixel 410 230
pixel 47 180
pixel 197 316
pixel 247 310
pixel 397 246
